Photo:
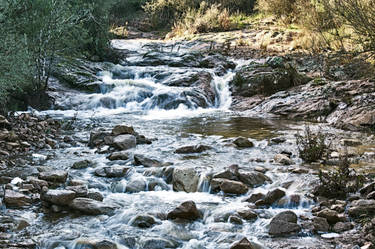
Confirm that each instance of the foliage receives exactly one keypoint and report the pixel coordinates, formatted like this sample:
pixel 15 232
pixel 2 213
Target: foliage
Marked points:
pixel 205 19
pixel 341 181
pixel 125 10
pixel 311 146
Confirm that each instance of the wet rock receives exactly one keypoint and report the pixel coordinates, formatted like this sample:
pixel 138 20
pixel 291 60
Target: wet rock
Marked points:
pixel 37 183
pixel 193 149
pixel 253 179
pixel 97 138
pixel 371 195
pixel 143 140
pixel 342 227
pixel 234 219
pixel 367 188
pixel 119 155
pixel 157 243
pixel 361 206
pixel 112 172
pixel 247 214
pixel 143 221
pixel 255 197
pixel 124 142
pixel 242 244
pixel 351 142
pixel 16 199
pixel 320 224
pixel 233 187
pixel 157 184
pixel 122 130
pixel 185 179
pixel 82 164
pixel 136 185
pixel 242 142
pixel 284 223
pixel 226 174
pixel 147 162
pixel 271 197
pixel 186 211
pixel 331 215
pixel 283 159
pixel 91 207
pixel 56 176
pixel 95 195
pixel 59 197
pixel 278 140
pixel 95 243
pixel 80 190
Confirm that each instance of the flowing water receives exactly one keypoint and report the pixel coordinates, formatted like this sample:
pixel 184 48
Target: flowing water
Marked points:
pixel 174 116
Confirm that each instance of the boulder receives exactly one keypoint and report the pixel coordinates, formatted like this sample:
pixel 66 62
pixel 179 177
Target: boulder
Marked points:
pixel 119 155
pixel 332 216
pixel 143 221
pixel 320 224
pixel 136 185
pixel 97 138
pixel 233 187
pixel 56 176
pixel 186 211
pixel 252 179
pixel 91 207
pixel 112 172
pixel 16 199
pixel 255 197
pixel 235 219
pixel 242 142
pixel 95 195
pixel 80 190
pixel 185 179
pixel 340 227
pixel 147 162
pixel 124 142
pixel 59 197
pixel 95 243
pixel 247 214
pixel 82 164
pixel 284 223
pixel 242 244
pixel 157 243
pixel 359 207
pixel 283 159
pixel 271 197
pixel 122 130
pixel 192 149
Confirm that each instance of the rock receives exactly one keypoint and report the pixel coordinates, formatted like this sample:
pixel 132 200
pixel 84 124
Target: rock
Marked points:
pixel 253 179
pixel 234 219
pixel 37 183
pixel 95 195
pixel 331 215
pixel 351 142
pixel 80 190
pixel 112 172
pixel 226 174
pixel 119 155
pixel 361 206
pixel 263 79
pixel 186 211
pixel 136 185
pixel 59 197
pixel 271 197
pixel 342 227
pixel 320 224
pixel 82 164
pixel 95 243
pixel 124 142
pixel 157 243
pixel 56 176
pixel 371 195
pixel 16 199
pixel 97 138
pixel 143 221
pixel 367 188
pixel 185 179
pixel 242 244
pixel 233 187
pixel 242 142
pixel 122 130
pixel 284 223
pixel 91 207
pixel 147 162
pixel 247 214
pixel 283 159
pixel 193 149
pixel 255 197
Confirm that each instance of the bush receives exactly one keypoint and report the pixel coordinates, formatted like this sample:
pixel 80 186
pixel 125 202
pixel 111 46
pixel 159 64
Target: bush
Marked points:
pixel 204 19
pixel 311 146
pixel 339 182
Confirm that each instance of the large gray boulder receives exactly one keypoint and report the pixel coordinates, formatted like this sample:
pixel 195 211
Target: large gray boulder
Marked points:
pixel 185 179
pixel 284 223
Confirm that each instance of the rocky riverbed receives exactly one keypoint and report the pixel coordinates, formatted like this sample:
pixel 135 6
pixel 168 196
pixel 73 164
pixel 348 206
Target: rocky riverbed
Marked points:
pixel 177 148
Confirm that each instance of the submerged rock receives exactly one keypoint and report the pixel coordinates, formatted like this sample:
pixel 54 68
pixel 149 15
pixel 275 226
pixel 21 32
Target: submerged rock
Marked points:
pixel 136 185
pixel 242 142
pixel 284 223
pixel 143 221
pixel 192 149
pixel 119 155
pixel 157 243
pixel 186 211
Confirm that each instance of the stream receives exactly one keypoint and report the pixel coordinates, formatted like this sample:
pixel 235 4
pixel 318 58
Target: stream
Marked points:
pixel 150 97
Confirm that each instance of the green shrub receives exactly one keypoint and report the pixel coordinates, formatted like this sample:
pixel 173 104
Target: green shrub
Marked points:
pixel 311 146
